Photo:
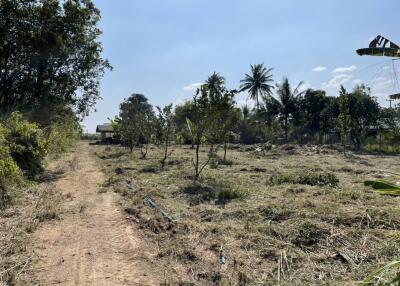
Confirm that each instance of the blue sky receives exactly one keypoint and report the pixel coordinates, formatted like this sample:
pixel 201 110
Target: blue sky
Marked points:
pixel 163 48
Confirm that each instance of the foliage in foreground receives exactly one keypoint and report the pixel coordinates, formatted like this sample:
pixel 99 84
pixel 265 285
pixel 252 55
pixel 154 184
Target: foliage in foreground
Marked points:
pixel 26 143
pixel 24 147
pixel 10 174
pixel 377 277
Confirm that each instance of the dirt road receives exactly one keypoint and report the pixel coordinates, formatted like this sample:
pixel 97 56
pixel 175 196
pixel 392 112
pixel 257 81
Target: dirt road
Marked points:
pixel 92 243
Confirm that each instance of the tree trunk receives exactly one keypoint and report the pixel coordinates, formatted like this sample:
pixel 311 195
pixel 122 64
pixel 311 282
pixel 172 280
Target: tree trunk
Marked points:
pixel 163 161
pixel 344 145
pixel 196 163
pixel 286 127
pixel 144 152
pixel 225 151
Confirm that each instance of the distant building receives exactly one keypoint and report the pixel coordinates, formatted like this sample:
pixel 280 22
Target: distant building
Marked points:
pixel 106 131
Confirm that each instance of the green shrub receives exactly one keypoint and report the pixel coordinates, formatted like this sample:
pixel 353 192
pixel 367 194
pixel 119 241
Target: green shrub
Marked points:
pixel 312 179
pixel 10 174
pixel 60 136
pixel 26 144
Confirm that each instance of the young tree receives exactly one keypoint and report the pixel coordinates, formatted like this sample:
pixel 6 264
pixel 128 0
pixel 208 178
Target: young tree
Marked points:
pixel 209 110
pixel 136 122
pixel 166 127
pixel 198 126
pixel 344 120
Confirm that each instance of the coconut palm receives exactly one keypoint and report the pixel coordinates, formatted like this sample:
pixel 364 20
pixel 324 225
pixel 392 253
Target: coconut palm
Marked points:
pixel 258 84
pixel 215 83
pixel 287 100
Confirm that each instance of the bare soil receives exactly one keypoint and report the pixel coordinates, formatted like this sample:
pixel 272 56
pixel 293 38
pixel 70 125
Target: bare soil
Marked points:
pixel 92 243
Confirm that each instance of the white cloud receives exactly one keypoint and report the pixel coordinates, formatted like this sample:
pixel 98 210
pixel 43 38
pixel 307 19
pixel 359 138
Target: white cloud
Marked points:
pixel 319 69
pixel 336 81
pixel 344 69
pixel 358 81
pixel 193 86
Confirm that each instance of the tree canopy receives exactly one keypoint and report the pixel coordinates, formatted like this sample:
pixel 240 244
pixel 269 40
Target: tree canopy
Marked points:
pixel 50 57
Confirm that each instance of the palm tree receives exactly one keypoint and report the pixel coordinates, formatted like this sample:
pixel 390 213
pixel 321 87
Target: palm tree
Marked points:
pixel 287 100
pixel 258 83
pixel 215 83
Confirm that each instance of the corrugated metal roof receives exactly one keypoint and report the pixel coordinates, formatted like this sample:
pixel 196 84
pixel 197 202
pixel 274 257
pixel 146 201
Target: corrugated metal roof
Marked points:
pixel 106 127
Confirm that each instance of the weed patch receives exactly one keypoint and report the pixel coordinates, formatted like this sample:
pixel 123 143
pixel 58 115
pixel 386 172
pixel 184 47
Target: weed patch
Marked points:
pixel 219 193
pixel 312 179
pixel 309 234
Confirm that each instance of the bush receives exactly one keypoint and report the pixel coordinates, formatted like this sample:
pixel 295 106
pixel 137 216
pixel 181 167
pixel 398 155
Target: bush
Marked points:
pixel 26 144
pixel 60 136
pixel 312 179
pixel 10 174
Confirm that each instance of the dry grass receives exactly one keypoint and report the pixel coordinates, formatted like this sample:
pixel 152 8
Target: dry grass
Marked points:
pixel 236 228
pixel 17 223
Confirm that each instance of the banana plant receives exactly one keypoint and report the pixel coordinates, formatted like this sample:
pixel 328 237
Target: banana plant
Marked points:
pixel 384 187
pixel 376 277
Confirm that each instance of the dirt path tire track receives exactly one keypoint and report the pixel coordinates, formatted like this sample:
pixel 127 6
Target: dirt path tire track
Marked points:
pixel 93 243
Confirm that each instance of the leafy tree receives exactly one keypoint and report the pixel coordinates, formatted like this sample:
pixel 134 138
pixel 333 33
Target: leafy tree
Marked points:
pixel 210 110
pixel 344 119
pixel 230 119
pixel 198 126
pixel 288 99
pixel 257 84
pixel 137 119
pixel 364 113
pixel 329 115
pixel 309 119
pixel 50 57
pixel 165 123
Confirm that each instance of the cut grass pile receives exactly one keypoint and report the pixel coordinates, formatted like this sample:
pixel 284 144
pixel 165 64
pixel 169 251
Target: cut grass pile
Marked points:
pixel 268 218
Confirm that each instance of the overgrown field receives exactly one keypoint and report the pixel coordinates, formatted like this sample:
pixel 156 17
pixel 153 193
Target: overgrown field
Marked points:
pixel 289 216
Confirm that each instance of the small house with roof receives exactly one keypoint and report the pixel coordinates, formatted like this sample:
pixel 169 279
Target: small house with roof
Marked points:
pixel 106 131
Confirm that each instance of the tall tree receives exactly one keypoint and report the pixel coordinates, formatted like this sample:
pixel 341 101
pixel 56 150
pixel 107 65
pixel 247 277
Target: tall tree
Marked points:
pixel 258 83
pixel 364 113
pixel 288 99
pixel 311 111
pixel 215 83
pixel 50 57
